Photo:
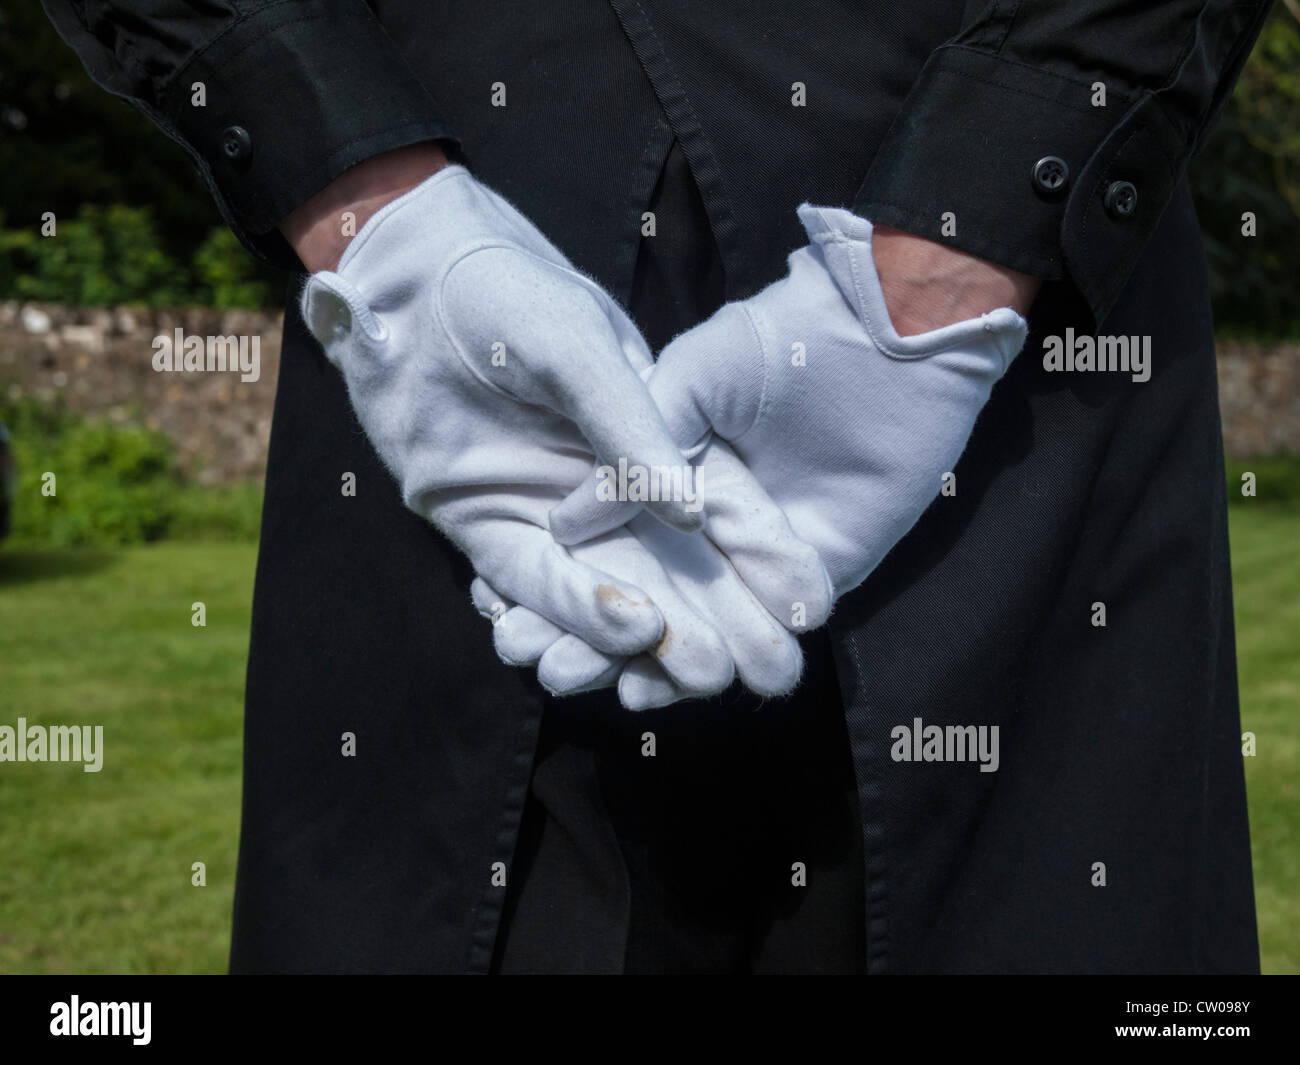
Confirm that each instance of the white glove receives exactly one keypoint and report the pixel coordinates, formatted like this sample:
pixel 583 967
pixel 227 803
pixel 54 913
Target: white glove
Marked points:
pixel 701 595
pixel 847 425
pixel 486 371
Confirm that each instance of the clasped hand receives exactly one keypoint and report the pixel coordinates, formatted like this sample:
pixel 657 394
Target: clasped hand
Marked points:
pixel 515 403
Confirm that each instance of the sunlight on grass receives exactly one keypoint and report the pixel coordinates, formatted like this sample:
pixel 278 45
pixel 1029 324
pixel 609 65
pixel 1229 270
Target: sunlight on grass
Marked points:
pixel 97 866
pixel 1266 594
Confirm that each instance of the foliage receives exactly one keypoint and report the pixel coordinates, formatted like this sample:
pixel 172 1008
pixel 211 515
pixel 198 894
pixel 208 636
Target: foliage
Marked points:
pixel 227 276
pixel 67 143
pixel 113 485
pixel 69 148
pixel 103 256
pixel 1252 163
pixel 1277 479
pixel 107 256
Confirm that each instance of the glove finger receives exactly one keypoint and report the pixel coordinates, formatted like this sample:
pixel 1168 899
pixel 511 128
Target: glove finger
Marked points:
pixel 588 511
pixel 521 637
pixel 640 462
pixel 565 664
pixel 644 686
pixel 562 352
pixel 486 601
pixel 690 649
pixel 785 573
pixel 767 658
pixel 690 407
pixel 570 666
pixel 595 507
pixel 598 505
pixel 527 567
pixel 518 634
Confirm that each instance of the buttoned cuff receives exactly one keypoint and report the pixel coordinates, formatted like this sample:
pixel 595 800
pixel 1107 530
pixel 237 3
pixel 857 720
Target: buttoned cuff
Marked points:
pixel 292 96
pixel 1015 165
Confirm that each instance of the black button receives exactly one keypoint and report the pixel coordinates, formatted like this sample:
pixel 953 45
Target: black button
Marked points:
pixel 1121 199
pixel 236 144
pixel 1051 174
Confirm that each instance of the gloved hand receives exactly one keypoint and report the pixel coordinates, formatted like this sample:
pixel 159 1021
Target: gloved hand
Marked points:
pixel 847 425
pixel 717 611
pixel 486 372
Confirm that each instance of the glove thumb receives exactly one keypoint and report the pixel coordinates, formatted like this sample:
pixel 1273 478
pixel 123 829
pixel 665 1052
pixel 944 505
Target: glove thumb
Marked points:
pixel 696 392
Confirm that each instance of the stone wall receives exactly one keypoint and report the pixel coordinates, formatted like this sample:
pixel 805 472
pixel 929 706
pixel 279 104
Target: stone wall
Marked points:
pixel 1259 395
pixel 100 362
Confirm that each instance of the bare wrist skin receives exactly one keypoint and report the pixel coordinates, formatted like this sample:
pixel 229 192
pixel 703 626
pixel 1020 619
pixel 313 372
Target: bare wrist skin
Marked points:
pixel 320 229
pixel 928 285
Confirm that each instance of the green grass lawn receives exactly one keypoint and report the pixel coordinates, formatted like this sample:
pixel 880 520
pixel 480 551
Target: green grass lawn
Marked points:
pixel 1266 593
pixel 96 869
pixel 96 873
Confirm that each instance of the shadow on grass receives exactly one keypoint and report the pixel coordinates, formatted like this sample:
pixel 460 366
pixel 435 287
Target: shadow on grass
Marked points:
pixel 25 565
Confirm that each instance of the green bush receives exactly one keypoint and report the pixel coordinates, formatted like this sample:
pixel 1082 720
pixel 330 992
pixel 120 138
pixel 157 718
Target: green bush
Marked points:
pixel 228 277
pixel 113 485
pixel 106 256
pixel 1277 479
pixel 1252 163
pixel 103 256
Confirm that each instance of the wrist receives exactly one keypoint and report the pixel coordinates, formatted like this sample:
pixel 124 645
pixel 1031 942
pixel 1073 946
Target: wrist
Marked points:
pixel 927 285
pixel 319 229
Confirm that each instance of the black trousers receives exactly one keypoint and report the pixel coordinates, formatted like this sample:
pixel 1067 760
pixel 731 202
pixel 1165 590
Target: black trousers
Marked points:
pixel 714 836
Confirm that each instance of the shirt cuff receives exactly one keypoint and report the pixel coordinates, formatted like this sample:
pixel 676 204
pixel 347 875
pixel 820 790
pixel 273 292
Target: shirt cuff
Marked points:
pixel 1014 164
pixel 292 96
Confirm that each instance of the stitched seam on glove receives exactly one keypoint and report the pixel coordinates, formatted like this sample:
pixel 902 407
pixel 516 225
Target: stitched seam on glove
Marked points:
pixel 602 299
pixel 439 309
pixel 764 391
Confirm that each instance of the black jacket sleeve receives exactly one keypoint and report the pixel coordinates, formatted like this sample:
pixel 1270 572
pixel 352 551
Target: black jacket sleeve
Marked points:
pixel 999 108
pixel 273 99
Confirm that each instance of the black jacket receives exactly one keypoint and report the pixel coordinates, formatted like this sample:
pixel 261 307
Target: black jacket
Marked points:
pixel 1119 90
pixel 1119 743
